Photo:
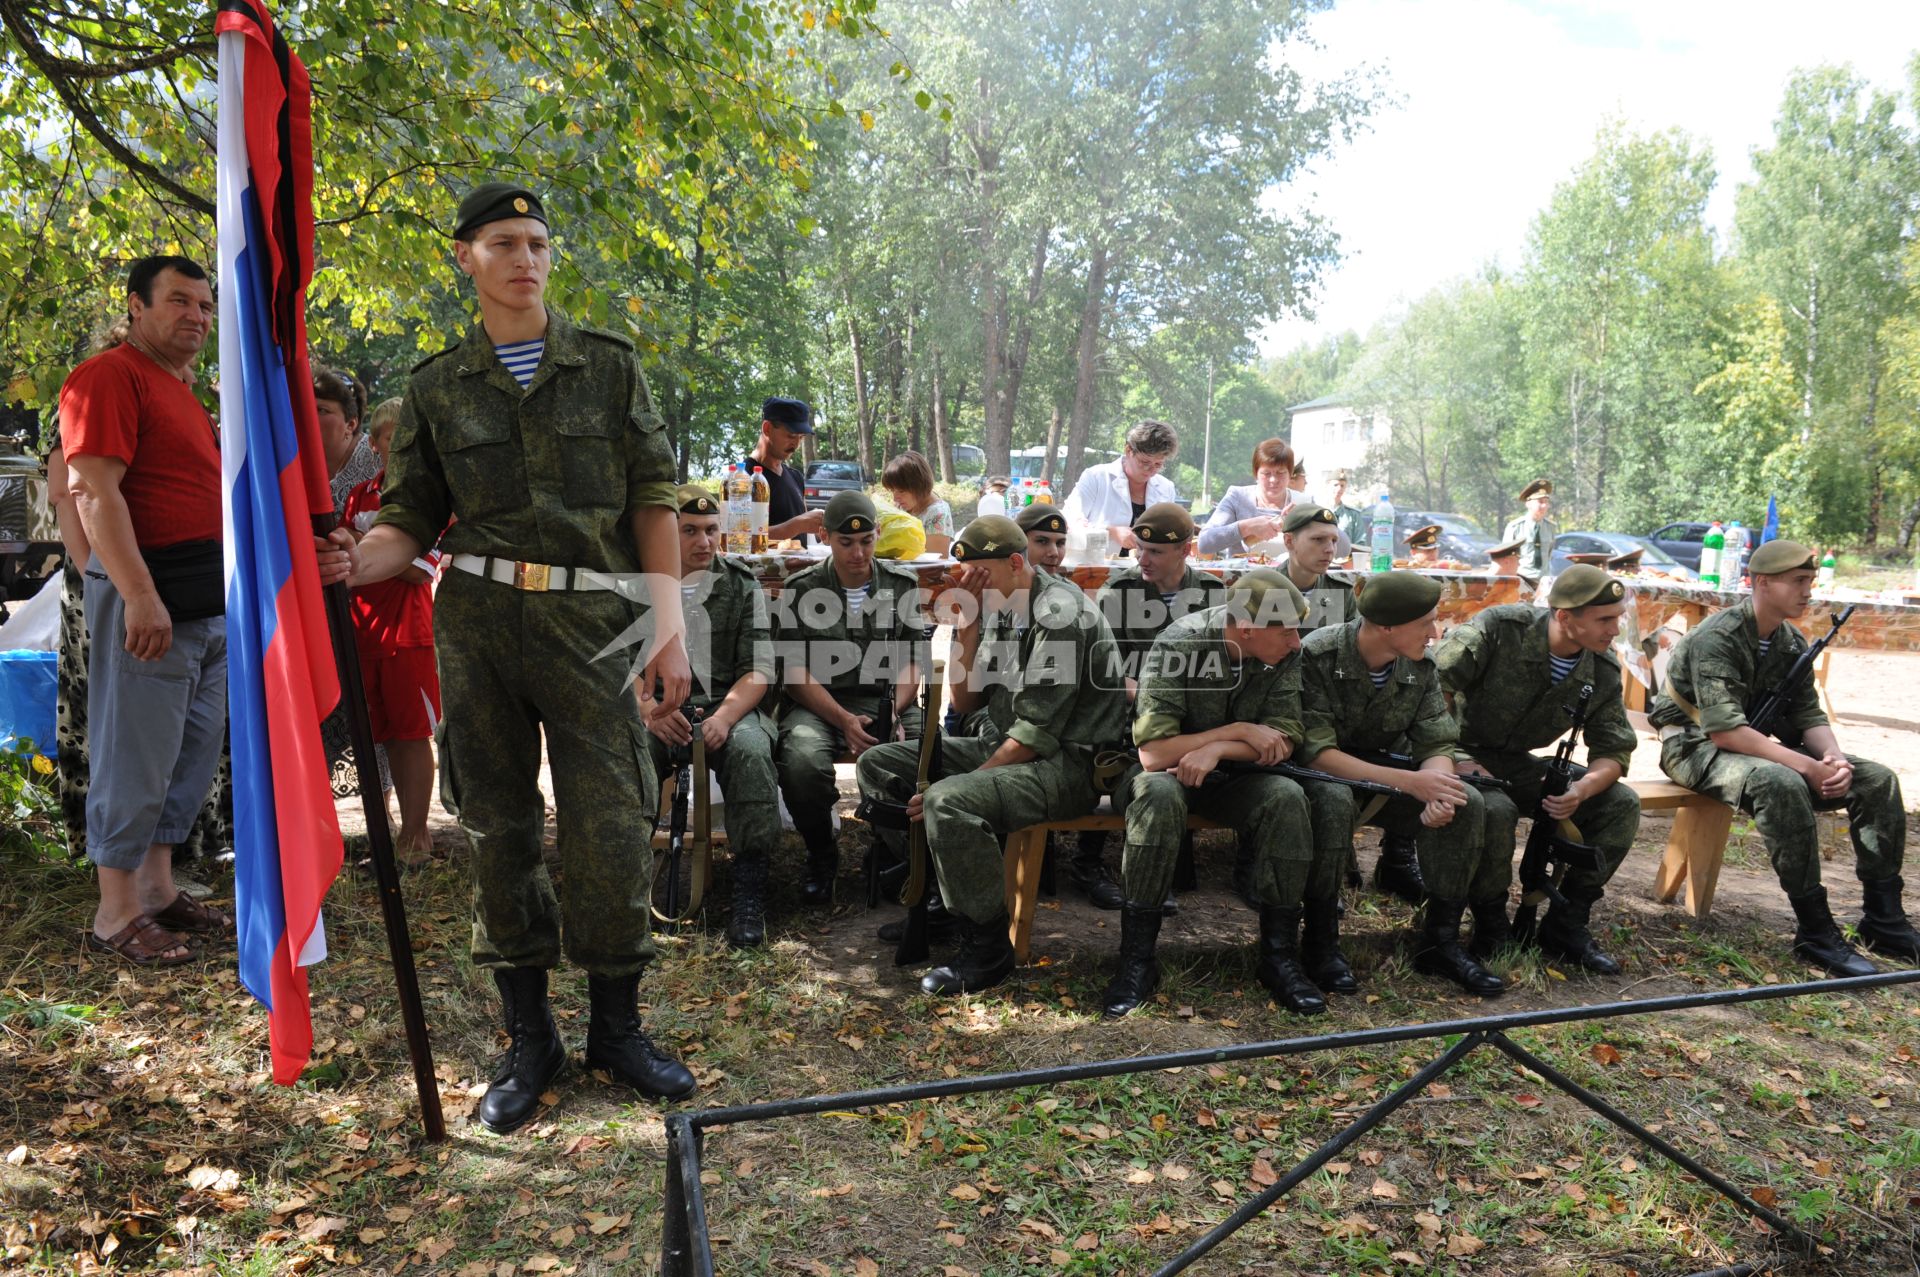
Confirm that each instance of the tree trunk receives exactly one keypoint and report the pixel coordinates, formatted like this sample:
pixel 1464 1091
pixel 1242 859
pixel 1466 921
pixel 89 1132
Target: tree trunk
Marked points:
pixel 863 410
pixel 1087 356
pixel 996 432
pixel 1053 444
pixel 1016 358
pixel 1877 490
pixel 683 429
pixel 942 435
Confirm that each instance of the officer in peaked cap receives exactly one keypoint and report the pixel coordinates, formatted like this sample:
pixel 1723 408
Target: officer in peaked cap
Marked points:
pixel 1533 530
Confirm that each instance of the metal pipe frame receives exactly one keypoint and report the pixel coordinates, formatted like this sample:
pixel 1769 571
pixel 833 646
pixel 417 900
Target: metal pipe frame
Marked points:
pixel 686 1250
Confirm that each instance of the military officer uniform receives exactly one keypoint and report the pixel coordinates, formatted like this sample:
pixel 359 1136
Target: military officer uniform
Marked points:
pixel 857 658
pixel 535 489
pixel 1049 666
pixel 1715 673
pixel 1510 698
pixel 1534 535
pixel 729 637
pixel 1405 712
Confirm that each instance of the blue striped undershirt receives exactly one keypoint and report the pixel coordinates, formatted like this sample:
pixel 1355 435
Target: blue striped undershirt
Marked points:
pixel 1380 675
pixel 522 358
pixel 1562 665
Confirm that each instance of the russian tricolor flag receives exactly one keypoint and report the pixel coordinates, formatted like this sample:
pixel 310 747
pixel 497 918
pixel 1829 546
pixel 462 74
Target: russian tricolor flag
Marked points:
pixel 282 679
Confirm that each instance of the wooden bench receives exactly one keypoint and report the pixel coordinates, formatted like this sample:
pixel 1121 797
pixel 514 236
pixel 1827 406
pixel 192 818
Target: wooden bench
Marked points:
pixel 1026 848
pixel 1696 846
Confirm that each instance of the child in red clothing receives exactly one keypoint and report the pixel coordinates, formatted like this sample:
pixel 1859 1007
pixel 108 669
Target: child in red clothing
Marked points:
pixel 393 629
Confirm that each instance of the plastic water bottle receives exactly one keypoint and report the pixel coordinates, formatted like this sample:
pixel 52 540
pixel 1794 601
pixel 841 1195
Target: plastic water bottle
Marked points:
pixel 1733 559
pixel 762 511
pixel 736 495
pixel 1827 565
pixel 1382 537
pixel 1711 548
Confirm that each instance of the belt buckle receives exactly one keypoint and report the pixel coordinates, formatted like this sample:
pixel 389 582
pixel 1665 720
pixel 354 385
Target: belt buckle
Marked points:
pixel 531 576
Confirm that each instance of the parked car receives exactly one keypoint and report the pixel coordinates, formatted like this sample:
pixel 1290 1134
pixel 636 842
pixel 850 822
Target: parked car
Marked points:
pixel 1682 541
pixel 1652 558
pixel 824 479
pixel 1461 539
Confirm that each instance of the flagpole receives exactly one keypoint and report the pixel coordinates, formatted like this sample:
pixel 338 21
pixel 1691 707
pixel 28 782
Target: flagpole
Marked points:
pixel 393 909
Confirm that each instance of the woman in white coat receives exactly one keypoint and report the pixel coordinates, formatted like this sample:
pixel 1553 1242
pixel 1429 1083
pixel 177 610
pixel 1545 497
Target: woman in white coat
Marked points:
pixel 1111 496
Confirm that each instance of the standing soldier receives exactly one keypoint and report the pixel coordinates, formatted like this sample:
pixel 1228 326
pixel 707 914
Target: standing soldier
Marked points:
pixel 1367 686
pixel 1221 686
pixel 1716 673
pixel 1046 527
pixel 732 648
pixel 848 631
pixel 1533 530
pixel 1046 677
pixel 1513 671
pixel 541 441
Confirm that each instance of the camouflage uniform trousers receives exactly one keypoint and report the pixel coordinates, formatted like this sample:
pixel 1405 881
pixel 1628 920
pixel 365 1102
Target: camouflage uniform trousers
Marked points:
pixel 1782 807
pixel 1606 822
pixel 512 663
pixel 1455 859
pixel 808 745
pixel 970 813
pixel 745 768
pixel 1267 813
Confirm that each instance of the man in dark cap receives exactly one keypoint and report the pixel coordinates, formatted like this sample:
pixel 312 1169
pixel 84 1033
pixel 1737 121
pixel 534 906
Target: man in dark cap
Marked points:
pixel 731 643
pixel 540 442
pixel 783 424
pixel 1513 672
pixel 1368 686
pixel 1220 686
pixel 1035 650
pixel 1139 601
pixel 1046 527
pixel 1533 530
pixel 849 633
pixel 1706 744
pixel 1312 534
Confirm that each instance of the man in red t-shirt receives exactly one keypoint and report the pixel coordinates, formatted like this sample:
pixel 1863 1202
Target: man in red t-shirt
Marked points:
pixel 393 627
pixel 145 469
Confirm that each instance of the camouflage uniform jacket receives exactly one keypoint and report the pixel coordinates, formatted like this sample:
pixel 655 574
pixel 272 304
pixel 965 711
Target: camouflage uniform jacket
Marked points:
pixel 1717 667
pixel 1342 709
pixel 1137 615
pixel 1049 674
pixel 1192 683
pixel 1329 598
pixel 1504 696
pixel 548 475
pixel 813 627
pixel 728 635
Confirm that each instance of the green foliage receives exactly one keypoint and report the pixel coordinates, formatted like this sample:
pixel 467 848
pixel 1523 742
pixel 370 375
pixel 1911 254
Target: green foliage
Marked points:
pixel 28 801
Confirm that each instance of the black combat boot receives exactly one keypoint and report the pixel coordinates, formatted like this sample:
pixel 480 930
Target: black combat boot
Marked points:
pixel 1088 871
pixel 1442 954
pixel 747 928
pixel 1491 926
pixel 1563 932
pixel 1137 975
pixel 534 1055
pixel 823 860
pixel 940 923
pixel 1320 952
pixel 983 957
pixel 617 1043
pixel 1278 969
pixel 1398 871
pixel 1883 922
pixel 1818 940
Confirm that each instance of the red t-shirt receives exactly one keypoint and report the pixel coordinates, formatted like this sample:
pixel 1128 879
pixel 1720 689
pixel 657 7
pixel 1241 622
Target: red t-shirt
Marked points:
pixel 120 403
pixel 392 614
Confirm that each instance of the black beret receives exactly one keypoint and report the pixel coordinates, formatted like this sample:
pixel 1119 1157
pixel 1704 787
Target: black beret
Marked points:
pixel 495 202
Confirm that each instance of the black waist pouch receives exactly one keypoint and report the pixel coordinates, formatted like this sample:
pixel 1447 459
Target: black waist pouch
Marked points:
pixel 190 578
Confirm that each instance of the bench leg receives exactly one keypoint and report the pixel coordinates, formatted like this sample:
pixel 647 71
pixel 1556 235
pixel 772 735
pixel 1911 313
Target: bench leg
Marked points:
pixel 1695 851
pixel 1025 850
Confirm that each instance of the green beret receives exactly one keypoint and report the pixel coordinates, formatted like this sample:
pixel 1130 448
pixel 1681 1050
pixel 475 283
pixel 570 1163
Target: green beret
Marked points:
pixel 1265 597
pixel 691 498
pixel 1776 557
pixel 1041 516
pixel 1582 584
pixel 1164 523
pixel 1302 515
pixel 1394 598
pixel 1424 538
pixel 991 536
pixel 495 202
pixel 851 512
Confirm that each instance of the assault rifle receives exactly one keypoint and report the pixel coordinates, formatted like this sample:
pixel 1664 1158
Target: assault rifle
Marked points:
pixel 885 815
pixel 1405 763
pixel 883 733
pixel 1766 709
pixel 688 766
pixel 1551 850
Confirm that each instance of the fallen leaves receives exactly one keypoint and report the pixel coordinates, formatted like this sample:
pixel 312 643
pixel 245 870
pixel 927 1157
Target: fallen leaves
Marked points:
pixel 1605 1053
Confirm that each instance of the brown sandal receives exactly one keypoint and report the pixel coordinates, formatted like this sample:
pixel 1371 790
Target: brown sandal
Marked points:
pixel 144 943
pixel 189 915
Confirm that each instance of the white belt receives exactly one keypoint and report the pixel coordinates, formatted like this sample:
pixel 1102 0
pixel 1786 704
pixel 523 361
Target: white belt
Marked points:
pixel 1670 731
pixel 537 577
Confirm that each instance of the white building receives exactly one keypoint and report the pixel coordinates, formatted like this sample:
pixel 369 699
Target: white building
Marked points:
pixel 1332 433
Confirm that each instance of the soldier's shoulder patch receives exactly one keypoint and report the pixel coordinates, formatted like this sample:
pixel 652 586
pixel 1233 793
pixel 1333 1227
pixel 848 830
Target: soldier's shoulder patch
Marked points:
pixel 618 339
pixel 438 354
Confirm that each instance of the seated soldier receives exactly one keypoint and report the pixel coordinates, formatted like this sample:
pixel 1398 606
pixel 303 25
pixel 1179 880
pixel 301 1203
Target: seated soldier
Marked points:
pixel 1139 600
pixel 1367 686
pixel 847 631
pixel 1034 649
pixel 1313 542
pixel 730 648
pixel 1513 672
pixel 1718 671
pixel 1220 686
pixel 1423 546
pixel 1504 559
pixel 1046 527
